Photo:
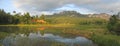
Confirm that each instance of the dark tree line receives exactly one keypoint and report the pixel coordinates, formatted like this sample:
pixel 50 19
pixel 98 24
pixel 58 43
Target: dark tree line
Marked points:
pixel 17 18
pixel 6 18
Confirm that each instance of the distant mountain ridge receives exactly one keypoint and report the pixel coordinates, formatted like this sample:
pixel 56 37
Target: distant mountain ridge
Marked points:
pixel 76 14
pixel 67 14
pixel 101 15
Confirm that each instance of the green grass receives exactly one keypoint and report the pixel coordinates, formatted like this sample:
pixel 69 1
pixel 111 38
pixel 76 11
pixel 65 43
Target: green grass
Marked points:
pixel 3 35
pixel 106 40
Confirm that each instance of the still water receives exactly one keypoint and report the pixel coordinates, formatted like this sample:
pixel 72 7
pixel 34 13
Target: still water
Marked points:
pixel 39 36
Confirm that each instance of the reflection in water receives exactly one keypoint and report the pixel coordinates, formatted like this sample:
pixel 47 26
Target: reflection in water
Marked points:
pixel 36 39
pixel 41 28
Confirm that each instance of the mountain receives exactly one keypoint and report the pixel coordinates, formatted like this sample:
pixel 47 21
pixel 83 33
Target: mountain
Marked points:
pixel 101 15
pixel 76 14
pixel 67 14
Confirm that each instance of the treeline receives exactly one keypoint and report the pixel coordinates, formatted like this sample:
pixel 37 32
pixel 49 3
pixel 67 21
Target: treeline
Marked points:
pixel 6 18
pixel 17 18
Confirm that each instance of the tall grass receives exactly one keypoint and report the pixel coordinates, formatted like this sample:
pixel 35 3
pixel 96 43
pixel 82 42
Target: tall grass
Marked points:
pixel 106 40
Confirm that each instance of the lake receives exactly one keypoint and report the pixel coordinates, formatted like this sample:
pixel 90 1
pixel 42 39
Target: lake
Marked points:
pixel 40 36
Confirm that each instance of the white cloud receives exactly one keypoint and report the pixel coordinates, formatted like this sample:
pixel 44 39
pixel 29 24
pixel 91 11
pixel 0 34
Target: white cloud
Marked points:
pixel 72 7
pixel 50 5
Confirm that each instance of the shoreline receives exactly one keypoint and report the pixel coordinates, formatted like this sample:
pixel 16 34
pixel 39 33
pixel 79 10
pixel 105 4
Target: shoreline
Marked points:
pixel 53 25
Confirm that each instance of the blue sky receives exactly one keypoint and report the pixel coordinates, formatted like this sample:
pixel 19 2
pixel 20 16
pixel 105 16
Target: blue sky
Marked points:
pixel 8 6
pixel 51 6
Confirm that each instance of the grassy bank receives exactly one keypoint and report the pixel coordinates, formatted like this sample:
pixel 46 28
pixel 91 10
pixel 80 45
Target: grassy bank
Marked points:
pixel 106 40
pixel 53 25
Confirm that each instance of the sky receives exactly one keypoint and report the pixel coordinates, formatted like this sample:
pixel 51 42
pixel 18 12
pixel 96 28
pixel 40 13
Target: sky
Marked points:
pixel 52 6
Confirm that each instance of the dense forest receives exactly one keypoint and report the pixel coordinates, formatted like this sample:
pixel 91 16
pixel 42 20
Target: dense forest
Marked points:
pixel 17 18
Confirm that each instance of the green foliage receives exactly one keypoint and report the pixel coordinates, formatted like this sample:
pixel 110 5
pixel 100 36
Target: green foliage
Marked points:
pixel 114 25
pixel 116 28
pixel 113 20
pixel 17 18
pixel 42 17
pixel 6 18
pixel 27 18
pixel 106 40
pixel 76 20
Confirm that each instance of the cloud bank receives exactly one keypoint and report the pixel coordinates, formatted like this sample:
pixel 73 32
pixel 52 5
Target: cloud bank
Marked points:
pixel 88 6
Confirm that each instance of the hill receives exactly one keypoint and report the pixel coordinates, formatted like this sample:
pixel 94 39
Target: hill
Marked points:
pixel 67 14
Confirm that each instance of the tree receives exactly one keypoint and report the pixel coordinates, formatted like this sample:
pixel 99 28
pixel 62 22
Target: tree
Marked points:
pixel 113 20
pixel 5 18
pixel 14 11
pixel 27 18
pixel 116 28
pixel 42 17
pixel 17 18
pixel 114 25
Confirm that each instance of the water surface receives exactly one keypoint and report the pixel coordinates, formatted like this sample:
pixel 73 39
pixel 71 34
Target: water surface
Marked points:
pixel 27 36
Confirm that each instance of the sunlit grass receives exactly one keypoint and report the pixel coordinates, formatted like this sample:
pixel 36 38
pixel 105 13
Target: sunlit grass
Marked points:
pixel 106 40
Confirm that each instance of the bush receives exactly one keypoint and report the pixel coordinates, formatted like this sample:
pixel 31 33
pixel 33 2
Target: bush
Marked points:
pixel 114 25
pixel 106 40
pixel 116 28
